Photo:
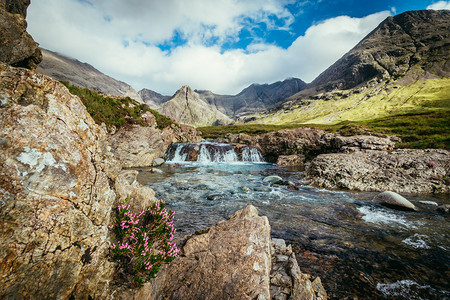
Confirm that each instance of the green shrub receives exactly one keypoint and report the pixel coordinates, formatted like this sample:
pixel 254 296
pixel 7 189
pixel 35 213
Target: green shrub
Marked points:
pixel 115 111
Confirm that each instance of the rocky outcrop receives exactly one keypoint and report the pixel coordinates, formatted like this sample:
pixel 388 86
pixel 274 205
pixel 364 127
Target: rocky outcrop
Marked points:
pixel 55 191
pixel 235 259
pixel 17 47
pixel 186 107
pixel 295 146
pixel 291 160
pixel 82 74
pixel 402 171
pixel 137 146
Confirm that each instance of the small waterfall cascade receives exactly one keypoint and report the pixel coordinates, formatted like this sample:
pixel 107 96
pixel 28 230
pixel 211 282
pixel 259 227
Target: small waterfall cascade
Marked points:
pixel 207 152
pixel 251 154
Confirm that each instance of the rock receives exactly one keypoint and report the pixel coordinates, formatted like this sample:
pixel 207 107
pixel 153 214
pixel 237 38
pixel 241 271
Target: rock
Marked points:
pixel 290 160
pixel 429 203
pixel 245 189
pixel 230 260
pixel 289 142
pixel 55 190
pixel 129 190
pixel 287 281
pixel 402 170
pixel 17 47
pixel 444 208
pixel 274 179
pixel 155 170
pixel 363 142
pixel 158 161
pixel 137 146
pixel 393 200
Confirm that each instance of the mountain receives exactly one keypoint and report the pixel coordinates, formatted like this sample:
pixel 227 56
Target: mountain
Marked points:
pixel 152 98
pixel 402 66
pixel 255 98
pixel 186 107
pixel 64 68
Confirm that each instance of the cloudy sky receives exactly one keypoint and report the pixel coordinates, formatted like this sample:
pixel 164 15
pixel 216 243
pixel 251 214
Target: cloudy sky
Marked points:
pixel 219 45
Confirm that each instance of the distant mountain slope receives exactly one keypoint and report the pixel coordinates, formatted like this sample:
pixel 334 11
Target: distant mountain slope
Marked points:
pixel 186 107
pixel 61 67
pixel 152 98
pixel 255 98
pixel 401 66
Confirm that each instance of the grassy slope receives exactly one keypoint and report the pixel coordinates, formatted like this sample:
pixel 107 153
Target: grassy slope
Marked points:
pixel 115 111
pixel 421 96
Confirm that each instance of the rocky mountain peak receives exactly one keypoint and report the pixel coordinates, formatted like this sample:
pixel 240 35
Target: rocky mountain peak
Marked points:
pixel 413 43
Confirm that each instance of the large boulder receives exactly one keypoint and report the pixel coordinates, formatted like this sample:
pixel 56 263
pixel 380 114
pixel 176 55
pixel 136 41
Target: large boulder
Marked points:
pixel 231 260
pixel 17 47
pixel 403 171
pixel 235 259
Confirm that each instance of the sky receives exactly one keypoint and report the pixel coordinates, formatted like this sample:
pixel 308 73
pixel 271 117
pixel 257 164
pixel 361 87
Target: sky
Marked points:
pixel 218 45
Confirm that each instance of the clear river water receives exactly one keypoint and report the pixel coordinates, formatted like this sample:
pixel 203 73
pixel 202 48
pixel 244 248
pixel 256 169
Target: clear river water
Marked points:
pixel 359 249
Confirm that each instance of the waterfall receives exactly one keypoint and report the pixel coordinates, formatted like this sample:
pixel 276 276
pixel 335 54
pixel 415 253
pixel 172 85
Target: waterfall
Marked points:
pixel 207 152
pixel 178 155
pixel 251 154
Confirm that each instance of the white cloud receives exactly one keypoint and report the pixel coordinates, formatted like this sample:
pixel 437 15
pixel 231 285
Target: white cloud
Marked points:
pixel 440 5
pixel 98 32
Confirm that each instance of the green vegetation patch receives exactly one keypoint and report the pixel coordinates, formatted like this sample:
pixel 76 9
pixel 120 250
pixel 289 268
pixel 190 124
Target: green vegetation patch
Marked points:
pixel 115 111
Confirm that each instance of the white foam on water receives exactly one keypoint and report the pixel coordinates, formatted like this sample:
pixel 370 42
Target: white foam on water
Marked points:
pixel 417 241
pixel 402 288
pixel 379 216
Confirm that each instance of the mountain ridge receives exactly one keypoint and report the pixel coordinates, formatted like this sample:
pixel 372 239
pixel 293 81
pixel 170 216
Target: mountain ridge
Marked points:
pixel 79 73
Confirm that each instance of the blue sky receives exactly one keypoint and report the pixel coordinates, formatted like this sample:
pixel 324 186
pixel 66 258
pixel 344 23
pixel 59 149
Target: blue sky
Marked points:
pixel 219 45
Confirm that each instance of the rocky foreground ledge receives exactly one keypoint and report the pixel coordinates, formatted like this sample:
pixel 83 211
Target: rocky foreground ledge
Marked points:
pixel 234 259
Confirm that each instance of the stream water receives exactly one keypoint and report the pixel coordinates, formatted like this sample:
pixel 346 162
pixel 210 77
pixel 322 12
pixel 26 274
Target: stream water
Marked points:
pixel 359 249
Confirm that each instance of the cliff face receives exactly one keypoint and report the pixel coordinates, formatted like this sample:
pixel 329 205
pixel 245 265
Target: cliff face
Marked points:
pixel 81 74
pixel 186 107
pixel 17 47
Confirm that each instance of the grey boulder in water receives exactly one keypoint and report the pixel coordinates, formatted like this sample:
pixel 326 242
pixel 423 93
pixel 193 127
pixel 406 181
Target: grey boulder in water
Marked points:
pixel 393 200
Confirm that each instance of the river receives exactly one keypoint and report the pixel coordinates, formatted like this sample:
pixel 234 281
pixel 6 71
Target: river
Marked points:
pixel 359 249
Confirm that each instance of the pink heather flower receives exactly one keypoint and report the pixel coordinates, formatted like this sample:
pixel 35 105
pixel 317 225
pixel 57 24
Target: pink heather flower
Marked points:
pixel 431 164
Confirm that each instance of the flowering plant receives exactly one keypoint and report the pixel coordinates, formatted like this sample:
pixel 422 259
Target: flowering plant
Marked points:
pixel 144 240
